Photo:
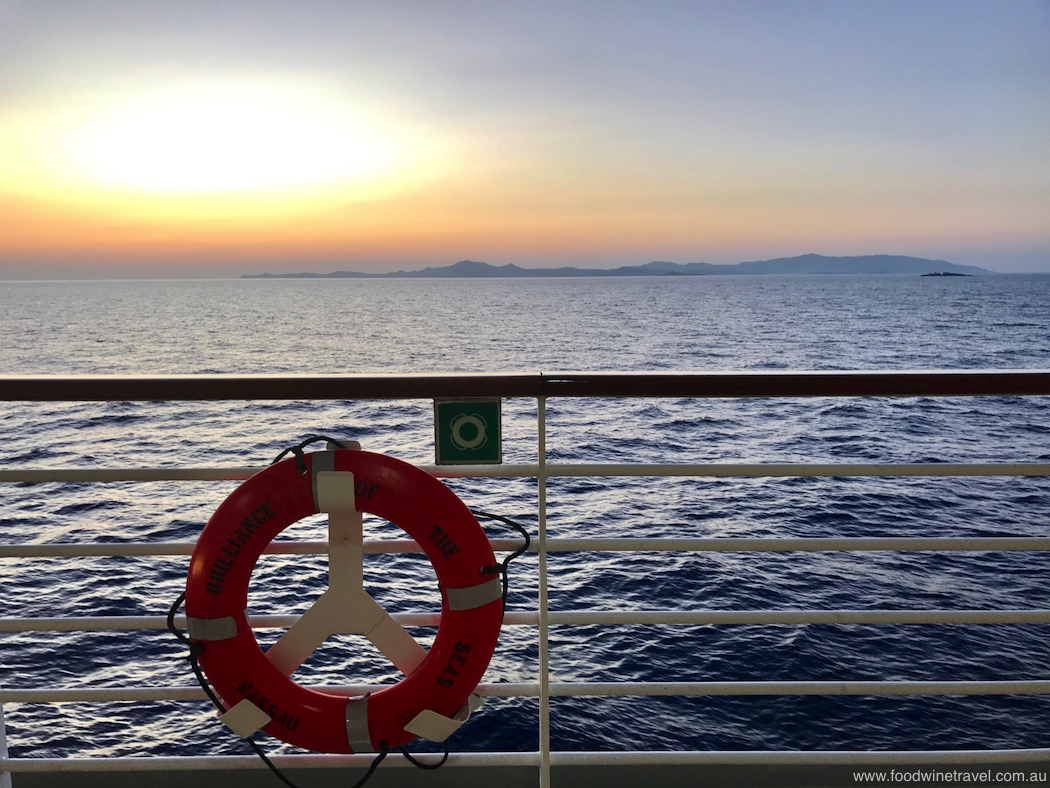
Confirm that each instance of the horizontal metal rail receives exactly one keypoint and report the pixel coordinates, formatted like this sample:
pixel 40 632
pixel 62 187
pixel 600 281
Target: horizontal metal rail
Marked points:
pixel 773 470
pixel 169 763
pixel 40 475
pixel 780 617
pixel 567 689
pixel 718 544
pixel 794 757
pixel 802 544
pixel 917 383
pixel 578 618
pixel 115 549
pixel 698 470
pixel 186 693
pixel 693 688
pixel 585 758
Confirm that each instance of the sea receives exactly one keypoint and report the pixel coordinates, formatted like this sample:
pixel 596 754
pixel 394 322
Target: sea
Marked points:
pixel 659 324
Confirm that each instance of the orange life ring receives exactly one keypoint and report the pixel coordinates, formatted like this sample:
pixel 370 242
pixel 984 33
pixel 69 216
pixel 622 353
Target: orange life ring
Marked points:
pixel 273 499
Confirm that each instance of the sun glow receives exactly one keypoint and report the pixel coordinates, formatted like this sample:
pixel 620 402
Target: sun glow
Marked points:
pixel 227 139
pixel 206 169
pixel 244 141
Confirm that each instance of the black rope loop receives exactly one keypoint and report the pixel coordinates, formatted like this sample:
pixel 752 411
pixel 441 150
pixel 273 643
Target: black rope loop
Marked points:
pixel 428 766
pixel 502 568
pixel 196 649
pixel 384 750
pixel 297 450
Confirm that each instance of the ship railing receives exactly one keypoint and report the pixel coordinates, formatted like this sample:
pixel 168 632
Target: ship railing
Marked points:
pixel 541 387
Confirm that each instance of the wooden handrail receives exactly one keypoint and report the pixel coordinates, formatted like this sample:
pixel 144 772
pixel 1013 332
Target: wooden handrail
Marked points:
pixel 133 388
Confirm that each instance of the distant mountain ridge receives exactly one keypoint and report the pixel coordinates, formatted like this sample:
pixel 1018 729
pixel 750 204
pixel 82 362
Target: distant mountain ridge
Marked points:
pixel 803 264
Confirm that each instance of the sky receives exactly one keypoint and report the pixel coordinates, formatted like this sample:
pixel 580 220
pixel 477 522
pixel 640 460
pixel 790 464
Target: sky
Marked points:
pixel 212 139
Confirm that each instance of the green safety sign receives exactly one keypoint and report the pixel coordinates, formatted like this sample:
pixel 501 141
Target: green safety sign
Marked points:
pixel 467 432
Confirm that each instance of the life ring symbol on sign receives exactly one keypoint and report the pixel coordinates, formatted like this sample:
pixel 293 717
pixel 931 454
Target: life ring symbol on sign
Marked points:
pixel 474 420
pixel 436 694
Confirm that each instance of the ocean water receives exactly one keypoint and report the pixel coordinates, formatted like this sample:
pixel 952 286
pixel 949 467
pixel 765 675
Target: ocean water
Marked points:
pixel 708 323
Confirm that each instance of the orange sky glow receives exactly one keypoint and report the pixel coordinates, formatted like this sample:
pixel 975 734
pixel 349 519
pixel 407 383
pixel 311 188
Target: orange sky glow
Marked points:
pixel 151 163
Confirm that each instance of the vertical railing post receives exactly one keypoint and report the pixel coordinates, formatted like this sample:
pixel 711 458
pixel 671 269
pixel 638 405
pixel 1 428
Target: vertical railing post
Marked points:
pixel 5 777
pixel 541 479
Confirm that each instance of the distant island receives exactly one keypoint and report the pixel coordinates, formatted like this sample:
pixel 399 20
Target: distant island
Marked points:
pixel 803 264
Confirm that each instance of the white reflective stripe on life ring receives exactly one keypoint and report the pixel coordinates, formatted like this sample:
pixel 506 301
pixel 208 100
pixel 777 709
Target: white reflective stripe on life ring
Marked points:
pixel 474 596
pixel 211 628
pixel 357 724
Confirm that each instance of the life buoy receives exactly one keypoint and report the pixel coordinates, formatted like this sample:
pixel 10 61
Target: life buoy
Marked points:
pixel 273 499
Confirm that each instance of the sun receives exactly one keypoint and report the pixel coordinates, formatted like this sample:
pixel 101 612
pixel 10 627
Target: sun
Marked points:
pixel 229 138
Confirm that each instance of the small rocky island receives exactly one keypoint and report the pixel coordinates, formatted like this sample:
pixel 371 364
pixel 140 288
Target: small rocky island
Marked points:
pixel 947 273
